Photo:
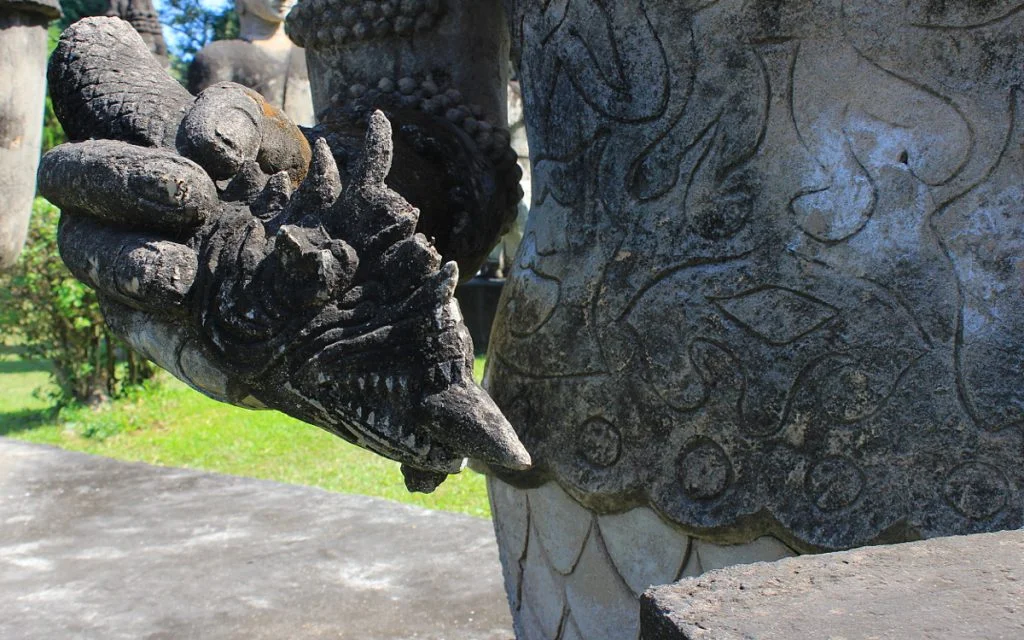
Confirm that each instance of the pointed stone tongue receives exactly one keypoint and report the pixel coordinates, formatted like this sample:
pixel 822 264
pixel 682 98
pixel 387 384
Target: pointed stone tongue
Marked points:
pixel 465 419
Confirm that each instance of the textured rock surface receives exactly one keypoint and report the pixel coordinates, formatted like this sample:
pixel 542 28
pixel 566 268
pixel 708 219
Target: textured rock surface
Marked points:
pixel 227 256
pixel 443 86
pixel 570 573
pixel 262 59
pixel 22 65
pixel 958 587
pixel 771 281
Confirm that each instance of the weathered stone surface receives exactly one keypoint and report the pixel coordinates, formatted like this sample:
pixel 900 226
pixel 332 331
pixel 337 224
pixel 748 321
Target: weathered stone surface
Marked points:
pixel 263 59
pixel 708 556
pixel 771 281
pixel 512 529
pixel 643 549
pixel 443 85
pixel 542 608
pixel 250 271
pixel 958 587
pixel 596 595
pixel 22 91
pixel 560 526
pixel 599 596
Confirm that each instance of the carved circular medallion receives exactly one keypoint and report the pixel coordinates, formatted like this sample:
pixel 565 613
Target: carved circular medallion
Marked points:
pixel 834 483
pixel 977 490
pixel 600 442
pixel 704 469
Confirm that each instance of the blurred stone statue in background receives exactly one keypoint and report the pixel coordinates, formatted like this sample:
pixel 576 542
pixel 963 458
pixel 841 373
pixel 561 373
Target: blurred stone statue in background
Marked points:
pixel 263 58
pixel 22 93
pixel 141 15
pixel 769 299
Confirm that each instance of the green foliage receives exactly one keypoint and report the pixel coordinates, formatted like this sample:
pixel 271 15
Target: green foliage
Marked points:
pixel 171 425
pixel 58 319
pixel 75 10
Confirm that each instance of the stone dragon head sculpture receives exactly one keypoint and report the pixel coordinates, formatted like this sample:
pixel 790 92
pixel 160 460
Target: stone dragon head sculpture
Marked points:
pixel 303 284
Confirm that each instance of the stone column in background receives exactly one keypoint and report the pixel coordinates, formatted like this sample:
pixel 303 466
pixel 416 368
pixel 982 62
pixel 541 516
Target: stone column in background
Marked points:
pixel 22 93
pixel 263 58
pixel 142 16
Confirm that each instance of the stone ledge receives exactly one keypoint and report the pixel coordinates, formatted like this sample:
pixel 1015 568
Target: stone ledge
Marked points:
pixel 957 587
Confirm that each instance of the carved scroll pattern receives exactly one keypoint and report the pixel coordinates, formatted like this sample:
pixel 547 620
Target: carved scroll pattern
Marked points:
pixel 772 279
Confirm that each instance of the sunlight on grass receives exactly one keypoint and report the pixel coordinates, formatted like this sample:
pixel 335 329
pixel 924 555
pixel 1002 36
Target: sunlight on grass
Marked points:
pixel 172 425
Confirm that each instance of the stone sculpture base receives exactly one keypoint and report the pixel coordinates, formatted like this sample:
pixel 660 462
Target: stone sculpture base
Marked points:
pixel 958 587
pixel 571 574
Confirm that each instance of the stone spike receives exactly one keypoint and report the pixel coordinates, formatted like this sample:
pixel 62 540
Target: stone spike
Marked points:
pixel 375 163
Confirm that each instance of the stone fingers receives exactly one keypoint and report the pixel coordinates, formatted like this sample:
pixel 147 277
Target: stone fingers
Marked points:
pixel 128 186
pixel 135 269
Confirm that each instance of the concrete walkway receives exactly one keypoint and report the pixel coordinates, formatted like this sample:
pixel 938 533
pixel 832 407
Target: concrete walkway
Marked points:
pixel 95 548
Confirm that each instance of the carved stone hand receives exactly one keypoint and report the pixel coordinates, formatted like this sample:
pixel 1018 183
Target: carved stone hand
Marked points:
pixel 228 252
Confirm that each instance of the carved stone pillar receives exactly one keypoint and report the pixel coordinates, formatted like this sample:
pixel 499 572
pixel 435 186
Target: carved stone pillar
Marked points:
pixel 22 91
pixel 772 284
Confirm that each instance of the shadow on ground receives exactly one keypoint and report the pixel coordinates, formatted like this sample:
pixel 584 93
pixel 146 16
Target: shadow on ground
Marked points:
pixel 25 420
pixel 13 421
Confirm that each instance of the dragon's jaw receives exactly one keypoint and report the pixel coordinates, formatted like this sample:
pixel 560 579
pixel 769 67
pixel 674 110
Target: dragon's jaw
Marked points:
pixel 417 406
pixel 333 309
pixel 432 431
pixel 304 292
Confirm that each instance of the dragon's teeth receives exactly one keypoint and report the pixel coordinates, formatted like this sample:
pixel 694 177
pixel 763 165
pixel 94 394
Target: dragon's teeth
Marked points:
pixel 362 383
pixel 374 379
pixel 371 419
pixel 359 411
pixel 403 382
pixel 389 382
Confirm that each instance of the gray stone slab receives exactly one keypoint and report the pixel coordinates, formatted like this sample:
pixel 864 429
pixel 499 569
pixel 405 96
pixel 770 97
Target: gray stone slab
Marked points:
pixel 95 548
pixel 957 587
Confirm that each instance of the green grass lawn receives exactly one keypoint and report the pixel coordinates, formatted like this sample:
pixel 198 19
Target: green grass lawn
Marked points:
pixel 169 424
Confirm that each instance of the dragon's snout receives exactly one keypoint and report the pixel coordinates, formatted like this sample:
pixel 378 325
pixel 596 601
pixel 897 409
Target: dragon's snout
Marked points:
pixel 356 311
